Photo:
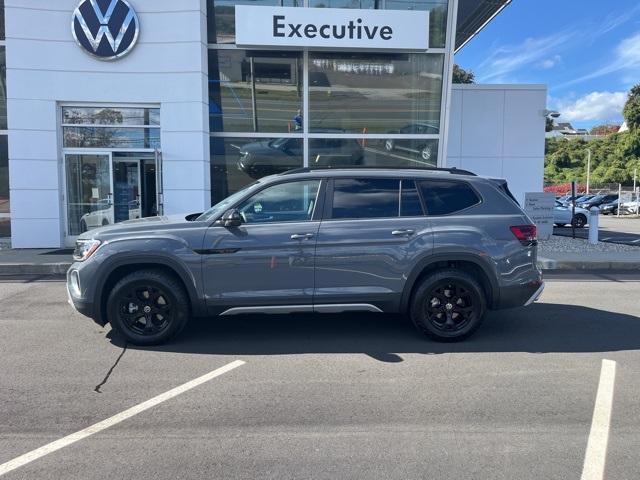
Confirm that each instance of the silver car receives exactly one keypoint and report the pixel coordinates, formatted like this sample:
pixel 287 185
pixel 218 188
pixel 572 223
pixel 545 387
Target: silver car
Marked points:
pixel 440 245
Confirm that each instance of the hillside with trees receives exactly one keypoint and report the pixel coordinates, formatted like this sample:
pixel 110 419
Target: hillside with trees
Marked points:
pixel 613 157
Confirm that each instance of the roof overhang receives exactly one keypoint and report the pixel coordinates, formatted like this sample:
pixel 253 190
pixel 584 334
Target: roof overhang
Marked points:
pixel 473 16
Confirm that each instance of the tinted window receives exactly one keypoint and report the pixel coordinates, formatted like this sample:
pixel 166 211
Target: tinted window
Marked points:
pixel 443 197
pixel 285 202
pixel 410 205
pixel 366 198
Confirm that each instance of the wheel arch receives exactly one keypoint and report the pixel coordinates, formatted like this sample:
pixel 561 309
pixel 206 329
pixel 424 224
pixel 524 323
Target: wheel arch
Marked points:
pixel 474 264
pixel 119 267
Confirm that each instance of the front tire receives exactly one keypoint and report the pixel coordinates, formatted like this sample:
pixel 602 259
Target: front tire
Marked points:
pixel 148 307
pixel 448 305
pixel 579 220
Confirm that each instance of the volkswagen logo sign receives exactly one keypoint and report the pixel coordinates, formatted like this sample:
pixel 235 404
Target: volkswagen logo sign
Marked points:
pixel 106 29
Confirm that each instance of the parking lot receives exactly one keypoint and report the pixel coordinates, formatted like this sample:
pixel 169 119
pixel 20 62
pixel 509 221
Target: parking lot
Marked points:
pixel 331 397
pixel 624 229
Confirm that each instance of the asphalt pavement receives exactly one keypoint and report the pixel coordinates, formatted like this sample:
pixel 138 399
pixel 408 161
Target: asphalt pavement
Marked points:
pixel 323 397
pixel 612 229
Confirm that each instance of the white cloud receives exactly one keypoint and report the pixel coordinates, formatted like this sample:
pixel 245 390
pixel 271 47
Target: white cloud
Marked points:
pixel 595 106
pixel 625 58
pixel 549 63
pixel 507 59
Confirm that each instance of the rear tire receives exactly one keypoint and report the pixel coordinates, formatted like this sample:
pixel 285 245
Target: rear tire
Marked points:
pixel 448 305
pixel 148 307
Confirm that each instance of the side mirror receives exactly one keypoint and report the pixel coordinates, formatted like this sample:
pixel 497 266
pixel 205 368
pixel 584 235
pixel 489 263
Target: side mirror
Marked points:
pixel 231 218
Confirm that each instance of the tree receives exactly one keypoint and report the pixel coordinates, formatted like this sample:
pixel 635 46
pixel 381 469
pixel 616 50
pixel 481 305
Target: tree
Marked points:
pixel 631 110
pixel 460 75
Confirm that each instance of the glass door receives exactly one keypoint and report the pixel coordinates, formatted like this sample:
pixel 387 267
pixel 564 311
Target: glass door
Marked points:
pixel 89 193
pixel 126 190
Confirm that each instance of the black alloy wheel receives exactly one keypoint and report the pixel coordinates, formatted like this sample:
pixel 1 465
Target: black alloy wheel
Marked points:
pixel 426 153
pixel 448 305
pixel 147 307
pixel 579 220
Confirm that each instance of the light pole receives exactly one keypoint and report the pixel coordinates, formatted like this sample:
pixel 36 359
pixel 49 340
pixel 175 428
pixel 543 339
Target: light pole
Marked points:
pixel 588 168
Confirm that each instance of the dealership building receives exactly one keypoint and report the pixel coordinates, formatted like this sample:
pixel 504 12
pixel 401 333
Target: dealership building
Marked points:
pixel 112 110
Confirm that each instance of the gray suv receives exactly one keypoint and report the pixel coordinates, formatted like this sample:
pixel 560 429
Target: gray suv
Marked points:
pixel 440 245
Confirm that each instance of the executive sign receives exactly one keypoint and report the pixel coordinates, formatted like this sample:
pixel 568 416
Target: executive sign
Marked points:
pixel 331 28
pixel 106 29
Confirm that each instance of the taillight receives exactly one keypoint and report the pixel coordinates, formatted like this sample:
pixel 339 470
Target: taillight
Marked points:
pixel 527 234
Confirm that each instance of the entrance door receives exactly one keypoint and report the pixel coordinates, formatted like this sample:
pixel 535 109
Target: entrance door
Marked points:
pixel 126 190
pixel 89 192
pixel 104 188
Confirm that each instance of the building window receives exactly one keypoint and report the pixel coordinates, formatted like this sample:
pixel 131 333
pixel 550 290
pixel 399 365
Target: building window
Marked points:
pixel 111 127
pixel 3 88
pixel 2 31
pixel 271 111
pixel 253 91
pixel 374 93
pixel 5 210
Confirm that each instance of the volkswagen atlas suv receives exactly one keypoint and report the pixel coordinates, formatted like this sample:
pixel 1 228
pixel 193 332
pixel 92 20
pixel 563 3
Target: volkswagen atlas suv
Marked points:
pixel 439 245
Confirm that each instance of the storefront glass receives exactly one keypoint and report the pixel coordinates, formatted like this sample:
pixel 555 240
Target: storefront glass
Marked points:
pixel 221 14
pixel 255 91
pixel 363 108
pixel 374 93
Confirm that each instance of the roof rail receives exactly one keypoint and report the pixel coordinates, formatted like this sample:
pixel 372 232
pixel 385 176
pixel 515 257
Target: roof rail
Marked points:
pixel 453 170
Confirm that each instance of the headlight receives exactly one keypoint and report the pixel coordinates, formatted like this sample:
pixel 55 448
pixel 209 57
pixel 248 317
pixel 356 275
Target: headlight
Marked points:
pixel 84 249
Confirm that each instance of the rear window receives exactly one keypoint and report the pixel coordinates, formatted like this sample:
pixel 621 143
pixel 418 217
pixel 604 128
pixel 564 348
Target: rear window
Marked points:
pixel 444 197
pixel 366 198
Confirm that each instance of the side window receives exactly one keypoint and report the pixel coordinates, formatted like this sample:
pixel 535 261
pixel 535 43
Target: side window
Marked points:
pixel 443 197
pixel 410 205
pixel 285 202
pixel 366 198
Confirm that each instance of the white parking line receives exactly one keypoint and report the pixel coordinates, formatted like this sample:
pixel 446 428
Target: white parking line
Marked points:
pixel 595 458
pixel 111 421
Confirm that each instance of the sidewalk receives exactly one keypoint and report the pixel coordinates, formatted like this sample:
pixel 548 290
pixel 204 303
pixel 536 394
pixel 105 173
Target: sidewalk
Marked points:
pixel 35 261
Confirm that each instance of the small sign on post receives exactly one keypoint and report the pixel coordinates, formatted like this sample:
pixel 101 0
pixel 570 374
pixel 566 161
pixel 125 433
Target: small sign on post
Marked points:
pixel 539 206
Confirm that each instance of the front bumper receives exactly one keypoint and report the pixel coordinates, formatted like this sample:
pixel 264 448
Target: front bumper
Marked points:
pixel 75 299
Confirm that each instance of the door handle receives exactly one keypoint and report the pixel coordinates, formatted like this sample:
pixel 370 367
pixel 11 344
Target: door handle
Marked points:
pixel 301 236
pixel 403 232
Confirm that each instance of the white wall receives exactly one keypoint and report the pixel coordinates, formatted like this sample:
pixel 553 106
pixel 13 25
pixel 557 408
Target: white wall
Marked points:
pixel 45 67
pixel 498 130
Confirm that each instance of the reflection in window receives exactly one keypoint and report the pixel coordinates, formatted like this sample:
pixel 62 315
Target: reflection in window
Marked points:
pixel 374 93
pixel 286 202
pixel 394 153
pixel 236 162
pixel 251 91
pixel 115 116
pixel 106 137
pixel 443 197
pixel 366 198
pixel 221 20
pixel 437 15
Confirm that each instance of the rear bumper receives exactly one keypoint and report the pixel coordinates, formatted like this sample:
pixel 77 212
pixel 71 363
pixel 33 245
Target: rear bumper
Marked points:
pixel 520 295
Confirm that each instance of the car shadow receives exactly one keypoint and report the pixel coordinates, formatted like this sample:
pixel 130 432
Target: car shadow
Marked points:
pixel 541 328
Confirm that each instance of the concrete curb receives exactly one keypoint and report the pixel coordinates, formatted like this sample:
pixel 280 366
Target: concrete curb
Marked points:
pixel 34 268
pixel 552 264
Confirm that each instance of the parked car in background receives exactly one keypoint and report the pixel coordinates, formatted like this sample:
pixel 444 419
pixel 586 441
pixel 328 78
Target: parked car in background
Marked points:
pixel 562 216
pixel 598 200
pixel 579 199
pixel 424 148
pixel 268 157
pixel 609 208
pixel 630 207
pixel 100 217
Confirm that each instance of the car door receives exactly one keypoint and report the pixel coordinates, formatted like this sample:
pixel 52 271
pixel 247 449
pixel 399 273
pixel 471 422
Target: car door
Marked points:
pixel 368 241
pixel 268 260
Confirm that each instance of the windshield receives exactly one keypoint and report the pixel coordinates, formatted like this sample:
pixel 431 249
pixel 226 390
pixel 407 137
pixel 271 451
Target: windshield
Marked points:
pixel 225 204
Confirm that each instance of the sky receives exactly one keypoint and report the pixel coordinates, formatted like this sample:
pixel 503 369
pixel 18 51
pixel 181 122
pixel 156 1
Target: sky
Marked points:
pixel 587 52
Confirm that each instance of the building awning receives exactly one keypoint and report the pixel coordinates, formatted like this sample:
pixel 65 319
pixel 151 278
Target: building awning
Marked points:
pixel 473 15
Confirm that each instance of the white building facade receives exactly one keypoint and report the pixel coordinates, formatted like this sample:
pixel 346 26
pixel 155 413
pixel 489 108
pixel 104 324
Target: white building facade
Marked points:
pixel 184 116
